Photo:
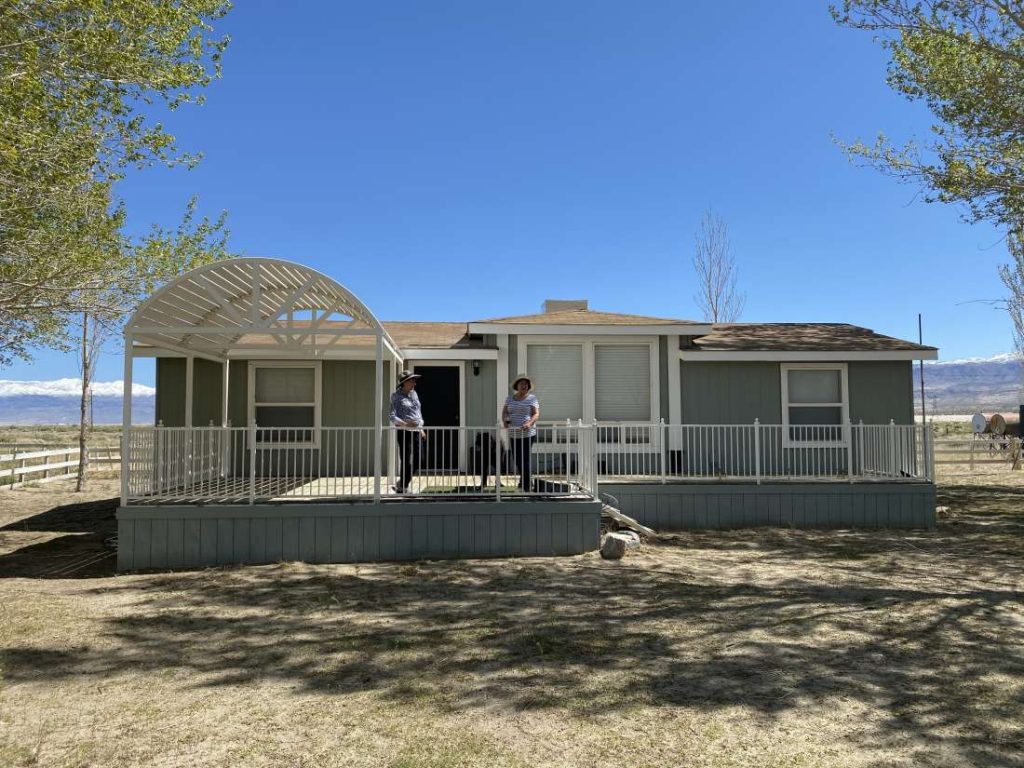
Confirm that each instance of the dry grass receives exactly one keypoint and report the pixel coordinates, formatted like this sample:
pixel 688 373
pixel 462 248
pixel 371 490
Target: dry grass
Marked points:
pixel 747 648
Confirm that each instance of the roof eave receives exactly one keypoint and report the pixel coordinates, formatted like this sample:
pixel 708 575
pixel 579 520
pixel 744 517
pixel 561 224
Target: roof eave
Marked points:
pixel 591 329
pixel 832 355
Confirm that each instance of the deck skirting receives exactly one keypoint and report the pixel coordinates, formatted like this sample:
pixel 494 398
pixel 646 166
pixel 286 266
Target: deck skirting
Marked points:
pixel 681 506
pixel 190 536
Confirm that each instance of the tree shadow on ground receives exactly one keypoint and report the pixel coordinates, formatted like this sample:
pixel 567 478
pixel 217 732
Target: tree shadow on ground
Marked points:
pixel 87 551
pixel 938 659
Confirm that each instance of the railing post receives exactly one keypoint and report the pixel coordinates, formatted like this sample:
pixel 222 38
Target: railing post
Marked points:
pixel 849 451
pixel 860 448
pixel 252 462
pixel 664 453
pixel 497 462
pixel 757 451
pixel 568 450
pixel 892 448
pixel 159 437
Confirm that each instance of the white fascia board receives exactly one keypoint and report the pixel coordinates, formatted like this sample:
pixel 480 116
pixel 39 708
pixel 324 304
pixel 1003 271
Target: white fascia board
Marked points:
pixel 538 329
pixel 695 356
pixel 223 330
pixel 416 353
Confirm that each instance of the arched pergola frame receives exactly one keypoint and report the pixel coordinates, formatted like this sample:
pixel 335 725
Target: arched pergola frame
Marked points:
pixel 252 308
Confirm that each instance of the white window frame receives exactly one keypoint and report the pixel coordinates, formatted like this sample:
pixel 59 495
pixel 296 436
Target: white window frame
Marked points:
pixel 589 378
pixel 844 405
pixel 317 397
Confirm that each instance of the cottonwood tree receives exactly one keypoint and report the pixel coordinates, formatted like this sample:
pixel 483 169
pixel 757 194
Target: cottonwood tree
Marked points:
pixel 964 60
pixel 80 83
pixel 717 294
pixel 1013 278
pixel 141 267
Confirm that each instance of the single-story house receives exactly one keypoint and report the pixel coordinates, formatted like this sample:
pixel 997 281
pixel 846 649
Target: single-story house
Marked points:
pixel 272 439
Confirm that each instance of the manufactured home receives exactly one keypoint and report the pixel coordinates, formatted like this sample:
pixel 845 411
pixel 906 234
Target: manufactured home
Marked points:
pixel 272 439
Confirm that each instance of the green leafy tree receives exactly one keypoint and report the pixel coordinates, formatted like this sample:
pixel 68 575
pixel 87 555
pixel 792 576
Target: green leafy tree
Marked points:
pixel 80 83
pixel 964 59
pixel 140 268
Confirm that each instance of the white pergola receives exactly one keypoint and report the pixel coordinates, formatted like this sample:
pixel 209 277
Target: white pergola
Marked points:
pixel 252 308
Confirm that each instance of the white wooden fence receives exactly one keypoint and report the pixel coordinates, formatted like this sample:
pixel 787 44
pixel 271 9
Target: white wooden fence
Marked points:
pixel 24 464
pixel 978 450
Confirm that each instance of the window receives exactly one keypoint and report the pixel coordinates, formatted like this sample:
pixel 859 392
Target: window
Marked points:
pixel 814 404
pixel 622 382
pixel 557 372
pixel 604 380
pixel 285 403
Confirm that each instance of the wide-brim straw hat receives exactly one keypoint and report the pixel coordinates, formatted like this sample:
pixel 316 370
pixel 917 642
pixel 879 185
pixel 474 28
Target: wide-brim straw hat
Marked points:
pixel 404 376
pixel 521 377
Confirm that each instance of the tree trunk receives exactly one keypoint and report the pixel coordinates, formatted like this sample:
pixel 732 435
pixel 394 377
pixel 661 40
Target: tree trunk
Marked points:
pixel 83 417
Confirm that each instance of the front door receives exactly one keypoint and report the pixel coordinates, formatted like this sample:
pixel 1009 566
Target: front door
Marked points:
pixel 439 400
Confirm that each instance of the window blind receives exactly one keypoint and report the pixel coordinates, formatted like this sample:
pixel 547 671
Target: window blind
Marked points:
pixel 557 372
pixel 285 385
pixel 622 382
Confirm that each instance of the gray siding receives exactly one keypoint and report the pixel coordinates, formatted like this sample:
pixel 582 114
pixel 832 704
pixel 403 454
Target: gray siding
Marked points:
pixel 513 359
pixel 481 394
pixel 731 393
pixel 880 391
pixel 739 392
pixel 207 393
pixel 348 392
pixel 192 537
pixel 822 505
pixel 169 405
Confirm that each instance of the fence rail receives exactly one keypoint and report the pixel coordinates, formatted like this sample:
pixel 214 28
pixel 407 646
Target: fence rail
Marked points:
pixel 249 464
pixel 974 450
pixel 38 463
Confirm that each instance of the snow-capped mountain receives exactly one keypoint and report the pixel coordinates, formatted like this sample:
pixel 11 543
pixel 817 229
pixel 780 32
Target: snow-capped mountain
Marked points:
pixel 972 384
pixel 57 402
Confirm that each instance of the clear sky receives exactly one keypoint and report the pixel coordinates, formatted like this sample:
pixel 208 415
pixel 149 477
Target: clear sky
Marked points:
pixel 464 160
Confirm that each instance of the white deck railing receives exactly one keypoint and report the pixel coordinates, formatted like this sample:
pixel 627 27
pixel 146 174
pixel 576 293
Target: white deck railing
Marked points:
pixel 250 464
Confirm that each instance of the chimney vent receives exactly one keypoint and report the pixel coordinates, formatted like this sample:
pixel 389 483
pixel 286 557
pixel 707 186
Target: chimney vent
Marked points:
pixel 563 305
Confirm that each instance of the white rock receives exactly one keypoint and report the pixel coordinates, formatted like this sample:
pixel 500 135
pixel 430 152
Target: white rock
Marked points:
pixel 615 544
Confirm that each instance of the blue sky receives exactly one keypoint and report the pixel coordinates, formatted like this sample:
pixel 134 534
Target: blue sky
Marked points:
pixel 464 160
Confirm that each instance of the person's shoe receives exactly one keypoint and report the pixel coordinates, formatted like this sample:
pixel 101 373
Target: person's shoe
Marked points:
pixel 398 490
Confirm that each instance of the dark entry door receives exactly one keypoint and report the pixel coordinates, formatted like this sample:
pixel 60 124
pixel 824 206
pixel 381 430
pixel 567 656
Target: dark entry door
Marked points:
pixel 439 400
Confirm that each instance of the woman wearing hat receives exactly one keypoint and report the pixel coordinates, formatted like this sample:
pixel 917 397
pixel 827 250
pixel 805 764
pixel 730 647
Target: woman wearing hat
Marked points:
pixel 519 416
pixel 408 418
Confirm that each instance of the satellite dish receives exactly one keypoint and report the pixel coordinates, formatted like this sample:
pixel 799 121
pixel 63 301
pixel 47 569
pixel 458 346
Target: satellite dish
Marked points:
pixel 993 424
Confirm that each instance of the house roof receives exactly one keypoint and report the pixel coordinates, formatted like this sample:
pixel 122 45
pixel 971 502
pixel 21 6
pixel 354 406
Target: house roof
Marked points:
pixel 429 335
pixel 801 337
pixel 585 317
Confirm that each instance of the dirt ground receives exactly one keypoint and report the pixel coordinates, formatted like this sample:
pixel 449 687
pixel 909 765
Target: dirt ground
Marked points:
pixel 764 647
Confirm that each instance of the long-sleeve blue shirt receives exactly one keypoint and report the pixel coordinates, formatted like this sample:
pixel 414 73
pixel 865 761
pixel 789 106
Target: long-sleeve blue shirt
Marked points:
pixel 405 407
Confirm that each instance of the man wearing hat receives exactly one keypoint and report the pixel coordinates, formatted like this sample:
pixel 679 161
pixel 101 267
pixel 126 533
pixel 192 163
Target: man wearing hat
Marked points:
pixel 408 418
pixel 519 416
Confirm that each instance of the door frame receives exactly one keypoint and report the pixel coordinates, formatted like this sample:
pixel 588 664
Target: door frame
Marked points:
pixel 461 365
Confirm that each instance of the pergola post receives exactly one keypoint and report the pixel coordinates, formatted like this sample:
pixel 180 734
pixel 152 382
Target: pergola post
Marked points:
pixel 126 417
pixel 378 399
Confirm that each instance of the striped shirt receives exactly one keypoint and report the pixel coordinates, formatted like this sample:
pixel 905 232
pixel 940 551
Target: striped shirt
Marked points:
pixel 406 407
pixel 519 412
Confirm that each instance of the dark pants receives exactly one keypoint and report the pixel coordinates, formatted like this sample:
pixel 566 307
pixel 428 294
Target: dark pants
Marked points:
pixel 523 456
pixel 409 446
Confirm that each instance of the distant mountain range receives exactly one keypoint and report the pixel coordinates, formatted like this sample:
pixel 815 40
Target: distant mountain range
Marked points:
pixel 57 402
pixel 971 385
pixel 954 386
